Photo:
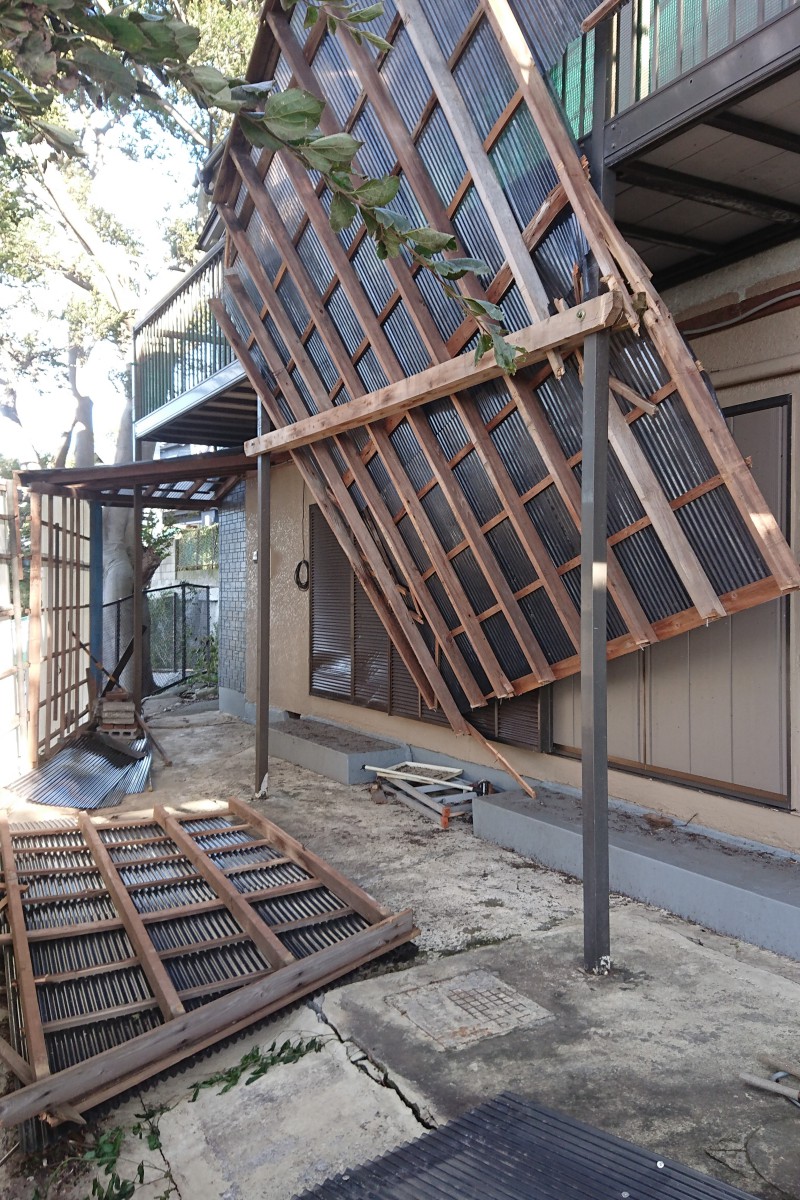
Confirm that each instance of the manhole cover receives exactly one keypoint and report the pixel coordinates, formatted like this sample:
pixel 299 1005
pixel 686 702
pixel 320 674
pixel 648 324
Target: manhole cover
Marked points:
pixel 466 1009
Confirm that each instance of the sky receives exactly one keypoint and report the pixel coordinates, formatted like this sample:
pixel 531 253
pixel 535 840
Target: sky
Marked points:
pixel 144 196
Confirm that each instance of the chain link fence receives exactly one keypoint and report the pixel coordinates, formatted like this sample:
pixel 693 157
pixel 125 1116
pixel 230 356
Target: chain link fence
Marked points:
pixel 178 640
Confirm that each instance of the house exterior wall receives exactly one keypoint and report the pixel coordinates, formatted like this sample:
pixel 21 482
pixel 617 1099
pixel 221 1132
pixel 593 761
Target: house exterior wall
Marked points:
pixel 749 362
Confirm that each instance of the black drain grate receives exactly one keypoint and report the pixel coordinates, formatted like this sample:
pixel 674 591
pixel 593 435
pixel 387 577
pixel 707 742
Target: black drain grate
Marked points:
pixel 512 1149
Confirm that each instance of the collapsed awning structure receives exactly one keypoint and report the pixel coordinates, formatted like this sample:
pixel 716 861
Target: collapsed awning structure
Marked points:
pixel 455 489
pixel 65 640
pixel 131 946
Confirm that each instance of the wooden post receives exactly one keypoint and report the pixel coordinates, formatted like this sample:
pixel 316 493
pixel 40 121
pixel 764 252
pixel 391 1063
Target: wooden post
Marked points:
pixel 263 648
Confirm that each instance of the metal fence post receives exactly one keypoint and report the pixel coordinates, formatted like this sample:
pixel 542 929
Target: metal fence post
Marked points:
pixel 594 571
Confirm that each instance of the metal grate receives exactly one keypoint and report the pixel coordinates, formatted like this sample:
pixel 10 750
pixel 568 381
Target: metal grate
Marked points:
pixel 510 1148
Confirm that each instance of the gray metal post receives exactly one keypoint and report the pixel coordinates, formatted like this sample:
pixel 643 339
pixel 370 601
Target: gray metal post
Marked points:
pixel 96 594
pixel 594 557
pixel 138 600
pixel 263 551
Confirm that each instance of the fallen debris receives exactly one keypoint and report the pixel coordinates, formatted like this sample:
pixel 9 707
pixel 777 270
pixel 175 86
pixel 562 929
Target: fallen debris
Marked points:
pixel 137 945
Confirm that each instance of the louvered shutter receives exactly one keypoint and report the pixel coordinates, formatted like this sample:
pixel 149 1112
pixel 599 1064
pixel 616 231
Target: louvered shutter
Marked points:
pixel 370 654
pixel 331 613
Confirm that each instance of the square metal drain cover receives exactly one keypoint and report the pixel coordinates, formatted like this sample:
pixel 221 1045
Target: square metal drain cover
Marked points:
pixel 467 1008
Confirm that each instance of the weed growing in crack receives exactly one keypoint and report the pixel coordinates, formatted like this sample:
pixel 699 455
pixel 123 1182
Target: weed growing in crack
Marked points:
pixel 257 1062
pixel 104 1153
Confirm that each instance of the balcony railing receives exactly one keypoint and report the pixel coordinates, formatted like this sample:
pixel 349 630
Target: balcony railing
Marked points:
pixel 655 42
pixel 179 345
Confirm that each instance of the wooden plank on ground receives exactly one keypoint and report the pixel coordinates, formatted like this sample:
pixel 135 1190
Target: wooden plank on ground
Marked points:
pixel 219 1018
pixel 29 1004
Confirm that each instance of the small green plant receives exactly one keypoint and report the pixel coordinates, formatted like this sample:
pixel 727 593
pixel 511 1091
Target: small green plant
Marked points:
pixel 105 1151
pixel 207 650
pixel 257 1062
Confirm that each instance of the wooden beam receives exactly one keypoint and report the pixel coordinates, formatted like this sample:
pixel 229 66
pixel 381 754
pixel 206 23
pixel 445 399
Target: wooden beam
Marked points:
pixel 18 1067
pixel 385 597
pixel 518 516
pixel 183 1036
pixel 479 165
pixel 330 335
pixel 563 330
pixel 480 548
pixel 26 986
pixel 157 976
pixel 603 10
pixel 675 542
pixel 533 414
pixel 238 904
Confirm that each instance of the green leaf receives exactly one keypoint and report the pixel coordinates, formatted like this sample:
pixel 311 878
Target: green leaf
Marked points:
pixel 104 70
pixel 210 79
pixel 293 115
pixel 484 308
pixel 390 219
pixel 342 214
pixel 375 40
pixel 65 141
pixel 432 239
pixel 370 13
pixel 482 346
pixel 340 148
pixel 257 134
pixel 457 268
pixel 311 17
pixel 376 193
pixel 505 353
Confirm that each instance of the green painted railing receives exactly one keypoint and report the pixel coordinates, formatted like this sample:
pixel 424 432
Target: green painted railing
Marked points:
pixel 179 345
pixel 655 42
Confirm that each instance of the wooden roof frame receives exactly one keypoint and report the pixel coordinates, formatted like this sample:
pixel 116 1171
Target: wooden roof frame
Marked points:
pixel 113 484
pixel 311 423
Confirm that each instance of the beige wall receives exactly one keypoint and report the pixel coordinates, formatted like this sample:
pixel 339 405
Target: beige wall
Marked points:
pixel 743 363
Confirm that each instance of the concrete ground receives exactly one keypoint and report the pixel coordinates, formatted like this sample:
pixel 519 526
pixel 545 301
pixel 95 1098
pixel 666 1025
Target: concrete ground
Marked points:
pixel 651 1052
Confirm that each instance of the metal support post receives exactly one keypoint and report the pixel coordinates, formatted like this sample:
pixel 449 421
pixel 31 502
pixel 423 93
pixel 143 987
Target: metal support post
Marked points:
pixel 96 648
pixel 594 570
pixel 263 552
pixel 138 600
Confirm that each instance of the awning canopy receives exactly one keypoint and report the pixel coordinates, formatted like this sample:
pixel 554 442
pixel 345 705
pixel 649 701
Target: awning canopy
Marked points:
pixel 195 481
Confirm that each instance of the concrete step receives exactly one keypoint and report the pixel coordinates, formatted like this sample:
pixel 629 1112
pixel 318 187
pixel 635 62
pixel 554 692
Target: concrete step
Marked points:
pixel 744 889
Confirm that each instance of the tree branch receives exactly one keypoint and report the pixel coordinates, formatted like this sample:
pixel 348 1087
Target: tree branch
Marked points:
pixel 118 291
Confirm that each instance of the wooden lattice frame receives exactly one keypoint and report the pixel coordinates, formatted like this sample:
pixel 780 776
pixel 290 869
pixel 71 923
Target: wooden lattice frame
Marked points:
pixel 333 464
pixel 239 1001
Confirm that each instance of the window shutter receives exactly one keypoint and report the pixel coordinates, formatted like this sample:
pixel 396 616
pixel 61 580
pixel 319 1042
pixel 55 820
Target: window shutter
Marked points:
pixel 370 654
pixel 527 720
pixel 331 613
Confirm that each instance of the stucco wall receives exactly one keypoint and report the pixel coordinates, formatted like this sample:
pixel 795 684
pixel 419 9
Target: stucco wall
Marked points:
pixel 743 362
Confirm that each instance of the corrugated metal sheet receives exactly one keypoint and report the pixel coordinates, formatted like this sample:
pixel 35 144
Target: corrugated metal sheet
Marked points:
pixel 511 1147
pixel 86 774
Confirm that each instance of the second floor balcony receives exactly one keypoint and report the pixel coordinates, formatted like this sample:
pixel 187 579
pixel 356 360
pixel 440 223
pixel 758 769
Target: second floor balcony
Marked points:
pixel 188 385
